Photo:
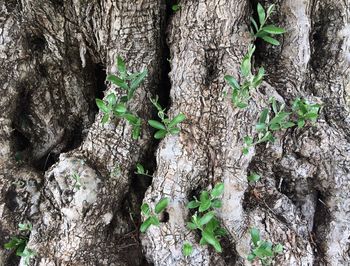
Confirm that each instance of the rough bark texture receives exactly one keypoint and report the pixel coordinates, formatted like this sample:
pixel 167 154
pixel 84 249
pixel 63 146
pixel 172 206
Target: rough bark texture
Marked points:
pixel 54 57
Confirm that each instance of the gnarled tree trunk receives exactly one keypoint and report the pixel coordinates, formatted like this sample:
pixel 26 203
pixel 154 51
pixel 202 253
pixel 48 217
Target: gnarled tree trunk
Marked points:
pixel 55 56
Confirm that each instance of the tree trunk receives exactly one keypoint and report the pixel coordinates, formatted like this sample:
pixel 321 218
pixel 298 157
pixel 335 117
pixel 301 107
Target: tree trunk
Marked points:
pixel 55 56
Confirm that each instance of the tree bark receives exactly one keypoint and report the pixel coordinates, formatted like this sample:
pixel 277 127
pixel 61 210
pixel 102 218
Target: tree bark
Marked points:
pixel 55 56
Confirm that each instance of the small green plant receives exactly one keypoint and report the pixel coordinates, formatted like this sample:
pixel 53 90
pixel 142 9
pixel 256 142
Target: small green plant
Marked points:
pixel 241 93
pixel 305 111
pixel 253 177
pixel 19 243
pixel 126 80
pixel 114 107
pixel 204 218
pixel 267 125
pixel 166 126
pixel 77 180
pixel 187 249
pixel 176 7
pixel 265 32
pixel 263 250
pixel 140 170
pixel 152 217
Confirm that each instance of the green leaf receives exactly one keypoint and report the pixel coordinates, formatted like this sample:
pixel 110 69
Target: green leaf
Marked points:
pixel 301 123
pixel 241 105
pixel 120 108
pixel 176 7
pixel 273 29
pixel 210 238
pixel 102 106
pixel 118 82
pixel 161 205
pixel 176 120
pixel 193 204
pixel 156 124
pixel 278 248
pixel 145 209
pixel 216 203
pixel 111 99
pixel 145 225
pixel 255 235
pixel 136 82
pixel 121 66
pixel 217 190
pixel 136 131
pixel 160 134
pixel 260 126
pixel 263 252
pixel 187 249
pixel 25 227
pixel 174 130
pixel 191 226
pixel 311 116
pixel 288 124
pixel 245 151
pixel 248 140
pixel 204 201
pixel 154 220
pixel 203 242
pixel 270 40
pixel 206 218
pixel 253 177
pixel 205 205
pixel 263 116
pixel 254 24
pixel 105 118
pixel 251 257
pixel 232 82
pixel 261 13
pixel 246 66
pixel 131 118
pixel 270 9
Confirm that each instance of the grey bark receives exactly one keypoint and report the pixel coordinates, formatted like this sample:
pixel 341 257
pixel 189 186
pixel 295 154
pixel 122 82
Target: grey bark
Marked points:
pixel 50 52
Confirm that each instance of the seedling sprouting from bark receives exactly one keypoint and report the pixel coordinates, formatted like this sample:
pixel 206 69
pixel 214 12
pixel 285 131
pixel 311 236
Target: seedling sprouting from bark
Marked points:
pixel 241 93
pixel 140 170
pixel 187 249
pixel 253 177
pixel 128 82
pixel 19 243
pixel 305 111
pixel 263 250
pixel 166 126
pixel 77 180
pixel 267 125
pixel 265 32
pixel 176 7
pixel 152 217
pixel 204 218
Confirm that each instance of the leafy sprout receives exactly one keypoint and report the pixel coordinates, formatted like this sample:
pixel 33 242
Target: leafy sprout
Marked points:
pixel 241 93
pixel 113 107
pixel 19 243
pixel 166 126
pixel 152 217
pixel 263 250
pixel 305 111
pixel 140 170
pixel 204 218
pixel 77 180
pixel 268 124
pixel 263 31
pixel 253 177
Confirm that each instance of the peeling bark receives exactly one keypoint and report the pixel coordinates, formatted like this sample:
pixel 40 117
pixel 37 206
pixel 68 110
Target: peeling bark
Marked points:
pixel 55 56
